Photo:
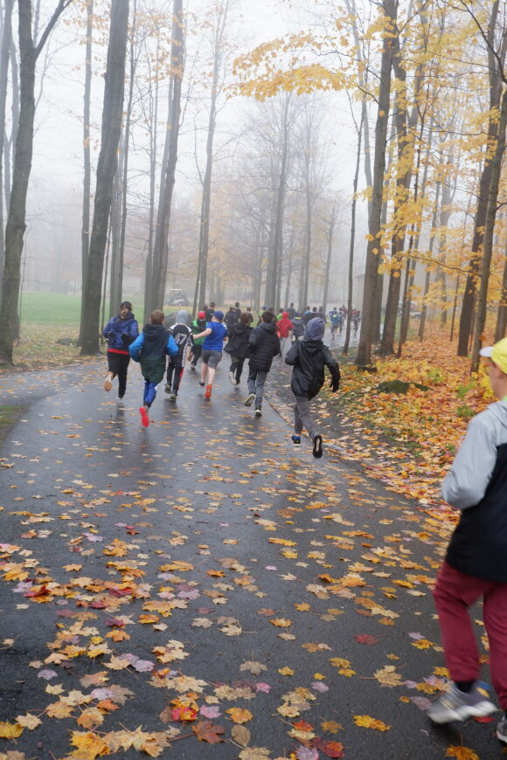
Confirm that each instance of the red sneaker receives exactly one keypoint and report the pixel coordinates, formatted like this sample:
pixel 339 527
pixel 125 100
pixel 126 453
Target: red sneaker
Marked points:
pixel 207 392
pixel 144 416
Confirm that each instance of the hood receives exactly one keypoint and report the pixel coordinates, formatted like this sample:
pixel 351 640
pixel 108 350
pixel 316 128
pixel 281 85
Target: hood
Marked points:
pixel 313 346
pixel 316 328
pixel 268 326
pixel 182 317
pixel 285 315
pixel 127 318
pixel 241 328
pixel 153 332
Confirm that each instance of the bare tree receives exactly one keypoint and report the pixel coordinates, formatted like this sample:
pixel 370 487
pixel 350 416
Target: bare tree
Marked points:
pixel 111 130
pixel 16 220
pixel 87 170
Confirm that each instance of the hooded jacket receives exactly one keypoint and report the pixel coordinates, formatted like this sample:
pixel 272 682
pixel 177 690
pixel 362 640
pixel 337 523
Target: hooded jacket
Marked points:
pixel 477 485
pixel 198 326
pixel 182 334
pixel 264 346
pixel 231 319
pixel 284 326
pixel 150 350
pixel 238 345
pixel 120 332
pixel 309 357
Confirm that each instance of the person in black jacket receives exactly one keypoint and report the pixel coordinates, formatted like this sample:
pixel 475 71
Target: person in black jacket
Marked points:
pixel 309 357
pixel 264 346
pixel 238 347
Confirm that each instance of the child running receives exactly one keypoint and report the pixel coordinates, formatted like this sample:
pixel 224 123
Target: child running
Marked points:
pixel 150 350
pixel 238 347
pixel 284 327
pixel 309 357
pixel 198 325
pixel 475 566
pixel 182 335
pixel 214 336
pixel 264 346
pixel 120 332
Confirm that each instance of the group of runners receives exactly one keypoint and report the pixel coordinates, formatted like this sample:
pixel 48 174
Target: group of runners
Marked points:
pixel 475 566
pixel 166 345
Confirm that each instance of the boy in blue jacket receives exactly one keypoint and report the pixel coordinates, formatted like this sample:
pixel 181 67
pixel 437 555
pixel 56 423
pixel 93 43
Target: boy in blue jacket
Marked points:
pixel 150 350
pixel 119 332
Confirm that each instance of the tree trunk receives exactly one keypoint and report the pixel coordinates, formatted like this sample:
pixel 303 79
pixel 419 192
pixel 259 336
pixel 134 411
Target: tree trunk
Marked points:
pixel 352 239
pixel 4 76
pixel 114 226
pixel 495 90
pixel 328 260
pixel 10 145
pixel 489 233
pixel 87 176
pixel 372 256
pixel 108 158
pixel 501 320
pixel 161 246
pixel 16 224
pixel 272 286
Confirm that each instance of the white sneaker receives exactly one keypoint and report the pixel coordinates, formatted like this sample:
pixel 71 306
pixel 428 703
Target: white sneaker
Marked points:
pixel 232 378
pixel 108 382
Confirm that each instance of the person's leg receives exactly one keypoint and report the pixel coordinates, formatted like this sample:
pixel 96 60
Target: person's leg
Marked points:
pixel 204 371
pixel 112 370
pixel 298 422
pixel 170 372
pixel 197 355
pixel 150 393
pixel 211 375
pixel 495 622
pixel 252 375
pixel 178 374
pixel 239 369
pixel 259 387
pixel 306 420
pixel 123 364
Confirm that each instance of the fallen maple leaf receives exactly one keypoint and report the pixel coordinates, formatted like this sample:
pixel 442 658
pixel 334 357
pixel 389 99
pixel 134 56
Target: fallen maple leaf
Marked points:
pixel 10 730
pixel 330 749
pixel 365 721
pixel 241 735
pixel 28 721
pixel 208 732
pixel 239 715
pixel 366 638
pixel 461 753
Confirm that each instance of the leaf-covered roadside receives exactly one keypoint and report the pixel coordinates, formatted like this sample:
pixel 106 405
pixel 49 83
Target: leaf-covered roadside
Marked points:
pixel 38 347
pixel 406 440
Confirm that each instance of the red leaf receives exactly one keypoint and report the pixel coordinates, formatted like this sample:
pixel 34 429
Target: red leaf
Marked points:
pixel 330 749
pixel 365 638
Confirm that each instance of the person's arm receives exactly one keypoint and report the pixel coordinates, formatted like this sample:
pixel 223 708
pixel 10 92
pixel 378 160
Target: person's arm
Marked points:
pixel 252 341
pixel 292 354
pixel 135 347
pixel 107 330
pixel 466 483
pixel 204 333
pixel 333 367
pixel 172 348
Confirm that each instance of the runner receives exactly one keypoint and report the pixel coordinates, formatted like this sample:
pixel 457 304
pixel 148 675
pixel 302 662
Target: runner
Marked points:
pixel 212 347
pixel 182 335
pixel 198 325
pixel 150 350
pixel 264 346
pixel 335 318
pixel 283 327
pixel 120 332
pixel 238 347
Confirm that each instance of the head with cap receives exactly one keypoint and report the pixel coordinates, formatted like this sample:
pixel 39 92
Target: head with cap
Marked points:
pixel 315 329
pixel 497 367
pixel 182 317
pixel 218 316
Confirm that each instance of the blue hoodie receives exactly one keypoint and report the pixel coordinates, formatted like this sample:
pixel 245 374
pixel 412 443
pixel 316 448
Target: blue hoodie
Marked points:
pixel 120 332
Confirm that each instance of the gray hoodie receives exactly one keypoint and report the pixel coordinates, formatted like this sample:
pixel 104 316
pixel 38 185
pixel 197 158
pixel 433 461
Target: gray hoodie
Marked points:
pixel 466 483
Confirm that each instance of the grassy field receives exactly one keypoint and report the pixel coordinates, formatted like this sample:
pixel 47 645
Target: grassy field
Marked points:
pixel 9 415
pixel 50 308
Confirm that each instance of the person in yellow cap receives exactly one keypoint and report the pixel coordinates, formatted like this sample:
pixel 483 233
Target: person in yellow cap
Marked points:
pixel 475 565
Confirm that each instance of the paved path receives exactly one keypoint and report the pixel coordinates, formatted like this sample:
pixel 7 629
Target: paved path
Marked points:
pixel 205 555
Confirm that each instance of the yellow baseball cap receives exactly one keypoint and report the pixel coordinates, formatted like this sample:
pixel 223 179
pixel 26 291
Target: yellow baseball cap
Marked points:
pixel 497 354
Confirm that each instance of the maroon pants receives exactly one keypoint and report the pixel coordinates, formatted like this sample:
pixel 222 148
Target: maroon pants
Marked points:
pixel 454 593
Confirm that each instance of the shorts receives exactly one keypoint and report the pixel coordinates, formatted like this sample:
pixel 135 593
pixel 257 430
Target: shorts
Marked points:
pixel 211 358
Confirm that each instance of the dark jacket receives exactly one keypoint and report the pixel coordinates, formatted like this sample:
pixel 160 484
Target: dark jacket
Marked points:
pixel 120 333
pixel 264 346
pixel 231 319
pixel 309 357
pixel 238 345
pixel 150 350
pixel 298 328
pixel 477 485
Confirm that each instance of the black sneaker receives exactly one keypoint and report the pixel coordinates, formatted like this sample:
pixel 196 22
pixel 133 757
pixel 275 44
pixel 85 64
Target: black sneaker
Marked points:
pixel 121 394
pixel 201 383
pixel 296 440
pixel 317 446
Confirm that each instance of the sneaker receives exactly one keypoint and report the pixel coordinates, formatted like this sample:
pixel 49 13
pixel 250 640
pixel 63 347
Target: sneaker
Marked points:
pixel 172 396
pixel 317 446
pixel 192 368
pixel 250 399
pixel 207 392
pixel 167 388
pixel 458 705
pixel 108 384
pixel 501 729
pixel 201 383
pixel 296 440
pixel 121 394
pixel 144 416
pixel 258 412
pixel 232 378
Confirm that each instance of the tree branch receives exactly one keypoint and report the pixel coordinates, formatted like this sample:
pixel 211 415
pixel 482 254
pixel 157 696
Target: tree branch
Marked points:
pixel 62 5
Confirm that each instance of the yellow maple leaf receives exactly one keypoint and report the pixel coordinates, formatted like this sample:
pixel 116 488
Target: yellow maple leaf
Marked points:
pixel 281 622
pixel 286 671
pixel 239 715
pixel 461 753
pixel 304 607
pixel 28 721
pixel 365 721
pixel 331 726
pixel 10 730
pixel 89 745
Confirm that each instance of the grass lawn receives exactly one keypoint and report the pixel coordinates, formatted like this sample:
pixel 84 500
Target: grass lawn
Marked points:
pixel 9 415
pixel 50 308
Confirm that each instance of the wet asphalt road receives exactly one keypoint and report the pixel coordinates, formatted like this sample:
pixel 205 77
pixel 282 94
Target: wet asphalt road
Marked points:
pixel 212 555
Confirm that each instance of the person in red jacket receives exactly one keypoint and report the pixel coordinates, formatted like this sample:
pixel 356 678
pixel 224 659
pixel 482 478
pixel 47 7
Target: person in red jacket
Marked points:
pixel 283 329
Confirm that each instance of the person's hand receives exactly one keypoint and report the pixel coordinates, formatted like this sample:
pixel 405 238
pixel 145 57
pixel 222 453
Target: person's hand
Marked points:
pixel 334 385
